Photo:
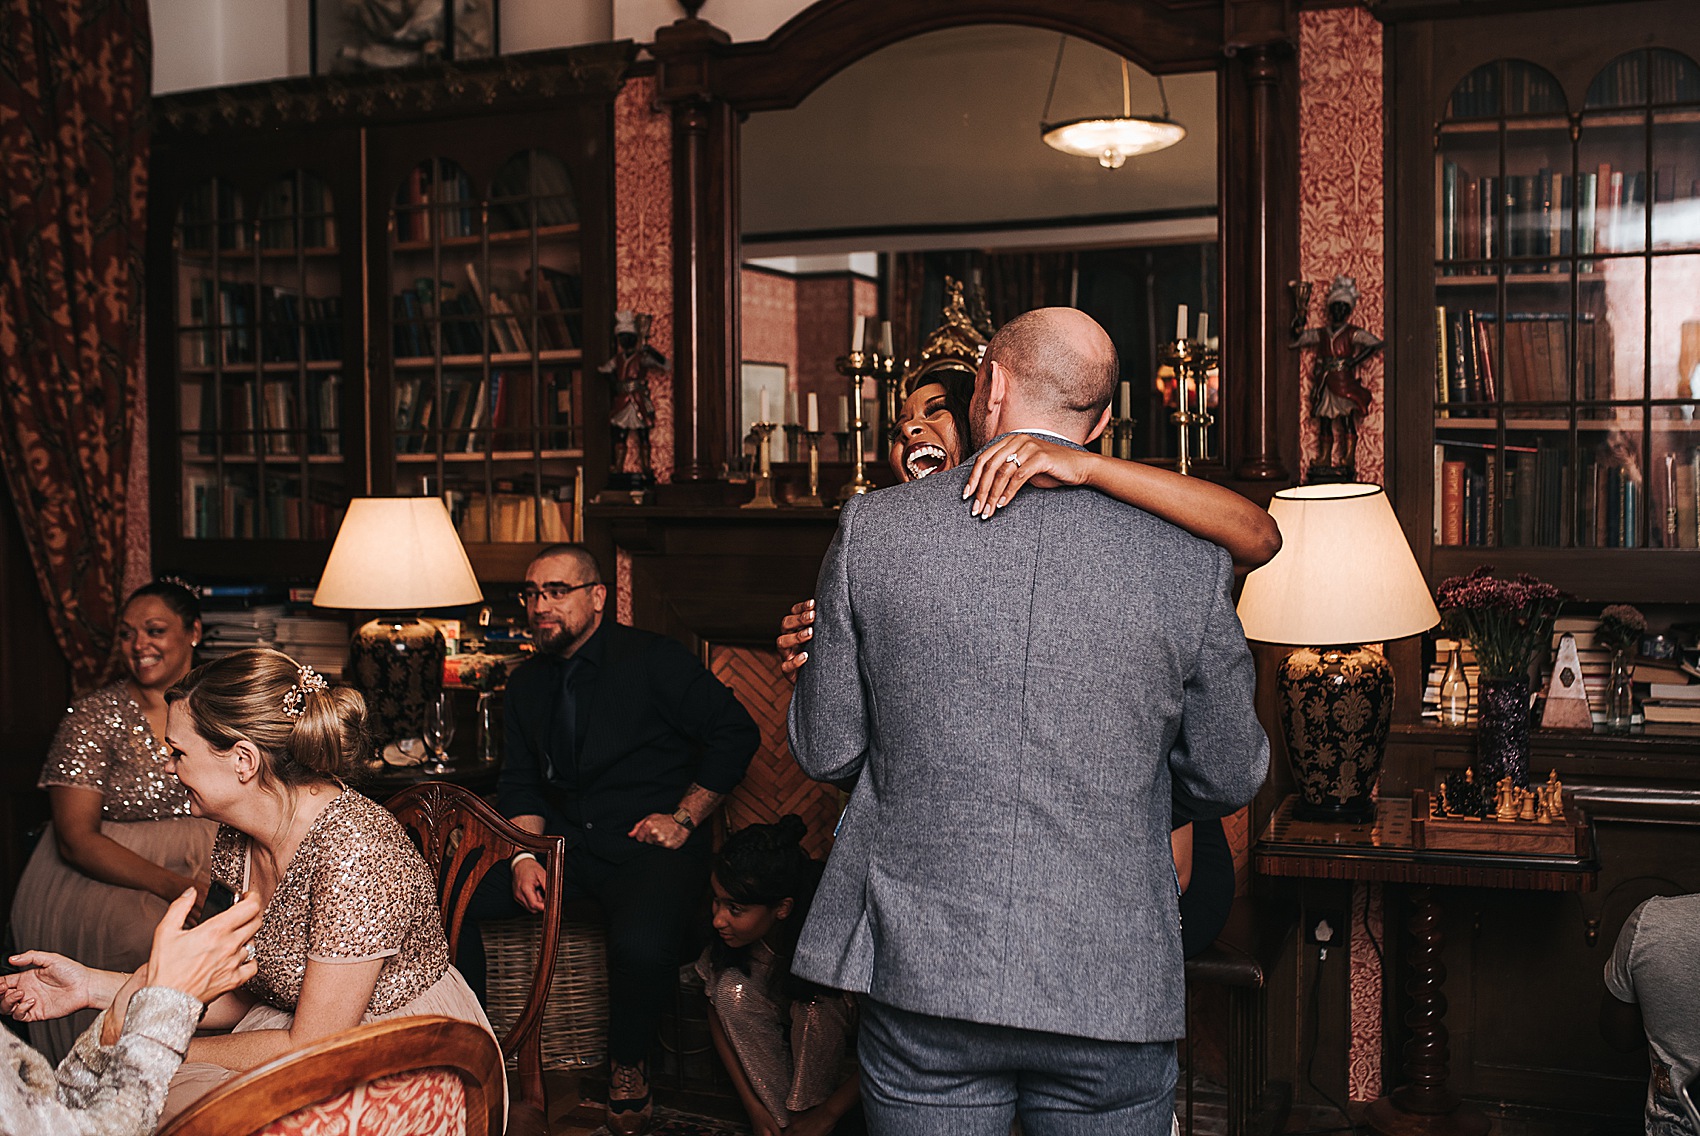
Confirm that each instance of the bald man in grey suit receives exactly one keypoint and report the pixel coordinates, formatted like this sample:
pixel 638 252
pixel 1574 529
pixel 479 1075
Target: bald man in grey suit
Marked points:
pixel 1014 699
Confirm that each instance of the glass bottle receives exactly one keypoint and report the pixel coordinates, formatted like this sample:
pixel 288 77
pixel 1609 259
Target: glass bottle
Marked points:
pixel 1454 691
pixel 489 728
pixel 1620 695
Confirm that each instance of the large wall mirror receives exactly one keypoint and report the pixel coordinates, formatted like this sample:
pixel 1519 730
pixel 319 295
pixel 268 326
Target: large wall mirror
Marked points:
pixel 922 163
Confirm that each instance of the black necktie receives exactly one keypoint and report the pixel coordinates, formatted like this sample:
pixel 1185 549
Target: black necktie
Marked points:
pixel 563 740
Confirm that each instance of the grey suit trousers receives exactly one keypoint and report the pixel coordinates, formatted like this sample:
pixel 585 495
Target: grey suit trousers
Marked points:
pixel 929 1076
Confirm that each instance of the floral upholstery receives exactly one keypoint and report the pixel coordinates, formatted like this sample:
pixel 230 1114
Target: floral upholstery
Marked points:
pixel 429 1102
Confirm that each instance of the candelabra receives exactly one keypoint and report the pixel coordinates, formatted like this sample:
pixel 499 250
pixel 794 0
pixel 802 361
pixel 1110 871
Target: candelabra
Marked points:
pixel 857 366
pixel 763 498
pixel 813 500
pixel 1192 362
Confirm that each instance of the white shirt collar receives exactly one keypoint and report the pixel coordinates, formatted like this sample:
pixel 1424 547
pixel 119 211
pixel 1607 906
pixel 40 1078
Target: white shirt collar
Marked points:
pixel 1047 433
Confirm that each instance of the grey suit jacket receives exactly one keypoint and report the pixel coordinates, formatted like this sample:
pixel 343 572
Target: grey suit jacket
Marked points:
pixel 1014 697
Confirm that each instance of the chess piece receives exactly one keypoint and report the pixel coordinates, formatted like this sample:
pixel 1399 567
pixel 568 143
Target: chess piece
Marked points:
pixel 1567 701
pixel 1543 809
pixel 1527 811
pixel 1555 796
pixel 1505 807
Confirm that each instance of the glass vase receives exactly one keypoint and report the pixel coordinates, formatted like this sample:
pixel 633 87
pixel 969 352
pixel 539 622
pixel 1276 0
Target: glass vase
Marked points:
pixel 489 720
pixel 1620 695
pixel 1502 731
pixel 1454 692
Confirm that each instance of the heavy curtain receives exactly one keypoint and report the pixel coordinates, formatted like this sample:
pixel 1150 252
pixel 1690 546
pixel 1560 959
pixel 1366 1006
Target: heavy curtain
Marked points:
pixel 75 77
pixel 1014 282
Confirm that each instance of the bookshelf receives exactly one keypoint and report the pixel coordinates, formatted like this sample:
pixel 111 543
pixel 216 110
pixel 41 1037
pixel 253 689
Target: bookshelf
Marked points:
pixel 1558 432
pixel 389 283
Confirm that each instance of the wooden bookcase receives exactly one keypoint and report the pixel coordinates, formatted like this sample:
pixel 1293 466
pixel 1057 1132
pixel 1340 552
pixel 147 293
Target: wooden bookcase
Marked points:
pixel 1544 232
pixel 380 284
pixel 1547 249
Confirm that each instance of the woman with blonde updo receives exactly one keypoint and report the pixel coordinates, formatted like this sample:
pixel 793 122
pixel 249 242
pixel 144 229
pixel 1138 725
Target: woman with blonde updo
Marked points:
pixel 351 931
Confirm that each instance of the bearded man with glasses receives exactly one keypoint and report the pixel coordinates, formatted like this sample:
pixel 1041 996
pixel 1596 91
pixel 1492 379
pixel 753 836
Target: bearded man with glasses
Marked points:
pixel 622 742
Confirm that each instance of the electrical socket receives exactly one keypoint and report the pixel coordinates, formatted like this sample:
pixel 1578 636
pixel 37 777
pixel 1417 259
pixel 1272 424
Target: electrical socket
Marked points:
pixel 1325 928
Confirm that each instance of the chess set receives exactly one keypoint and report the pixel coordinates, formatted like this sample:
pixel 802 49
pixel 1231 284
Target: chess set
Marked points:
pixel 1463 815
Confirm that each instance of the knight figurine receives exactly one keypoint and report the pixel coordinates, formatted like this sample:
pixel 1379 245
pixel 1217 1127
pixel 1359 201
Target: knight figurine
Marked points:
pixel 631 413
pixel 1338 398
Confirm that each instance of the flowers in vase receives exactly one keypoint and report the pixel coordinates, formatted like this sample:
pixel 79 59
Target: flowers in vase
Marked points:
pixel 1508 622
pixel 1621 628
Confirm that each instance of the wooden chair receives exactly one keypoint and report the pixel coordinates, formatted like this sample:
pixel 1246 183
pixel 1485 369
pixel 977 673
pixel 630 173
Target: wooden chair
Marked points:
pixel 462 839
pixel 414 1075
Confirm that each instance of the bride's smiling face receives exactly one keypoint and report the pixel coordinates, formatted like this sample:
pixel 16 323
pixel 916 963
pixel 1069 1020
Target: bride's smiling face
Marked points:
pixel 927 440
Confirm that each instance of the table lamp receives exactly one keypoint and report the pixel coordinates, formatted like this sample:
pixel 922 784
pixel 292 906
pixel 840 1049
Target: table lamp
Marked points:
pixel 395 556
pixel 1344 578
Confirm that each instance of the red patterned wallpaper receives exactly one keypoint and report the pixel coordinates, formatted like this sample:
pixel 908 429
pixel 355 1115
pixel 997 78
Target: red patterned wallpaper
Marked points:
pixel 825 314
pixel 1341 231
pixel 769 312
pixel 1340 192
pixel 643 239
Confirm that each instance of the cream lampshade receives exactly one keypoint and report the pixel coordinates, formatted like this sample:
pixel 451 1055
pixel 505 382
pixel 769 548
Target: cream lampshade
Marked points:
pixel 1344 577
pixel 397 555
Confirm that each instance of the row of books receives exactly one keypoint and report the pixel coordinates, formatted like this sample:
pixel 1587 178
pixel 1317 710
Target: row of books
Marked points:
pixel 288 325
pixel 540 177
pixel 1526 90
pixel 1534 362
pixel 508 517
pixel 436 315
pixel 1662 77
pixel 233 509
pixel 1531 215
pixel 436 187
pixel 1610 496
pixel 297 215
pixel 231 414
pixel 503 407
pixel 209 208
pixel 442 188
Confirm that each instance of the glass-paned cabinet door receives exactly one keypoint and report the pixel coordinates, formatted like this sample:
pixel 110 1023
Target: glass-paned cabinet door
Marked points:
pixel 259 358
pixel 1567 340
pixel 487 326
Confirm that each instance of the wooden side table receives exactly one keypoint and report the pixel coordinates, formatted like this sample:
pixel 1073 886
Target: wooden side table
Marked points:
pixel 1382 852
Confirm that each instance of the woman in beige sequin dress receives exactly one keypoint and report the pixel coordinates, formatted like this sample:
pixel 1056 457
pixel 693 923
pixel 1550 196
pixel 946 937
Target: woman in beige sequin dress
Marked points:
pixel 784 1041
pixel 122 845
pixel 351 931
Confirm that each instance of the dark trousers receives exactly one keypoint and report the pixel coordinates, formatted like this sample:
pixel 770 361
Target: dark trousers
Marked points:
pixel 651 904
pixel 924 1075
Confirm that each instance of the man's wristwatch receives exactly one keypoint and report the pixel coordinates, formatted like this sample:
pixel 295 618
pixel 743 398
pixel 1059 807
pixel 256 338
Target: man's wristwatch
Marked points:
pixel 683 819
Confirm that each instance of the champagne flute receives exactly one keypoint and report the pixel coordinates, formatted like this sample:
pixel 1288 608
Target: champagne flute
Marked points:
pixel 439 732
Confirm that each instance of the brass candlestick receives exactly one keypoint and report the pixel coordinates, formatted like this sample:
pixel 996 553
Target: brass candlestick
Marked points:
pixel 813 500
pixel 857 366
pixel 763 498
pixel 1192 362
pixel 793 431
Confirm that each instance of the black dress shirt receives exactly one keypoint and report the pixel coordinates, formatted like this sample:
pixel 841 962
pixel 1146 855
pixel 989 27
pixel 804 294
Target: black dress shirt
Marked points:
pixel 649 721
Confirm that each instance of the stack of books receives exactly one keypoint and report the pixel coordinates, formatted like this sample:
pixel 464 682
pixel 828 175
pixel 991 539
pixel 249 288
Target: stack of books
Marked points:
pixel 317 641
pixel 1672 702
pixel 228 630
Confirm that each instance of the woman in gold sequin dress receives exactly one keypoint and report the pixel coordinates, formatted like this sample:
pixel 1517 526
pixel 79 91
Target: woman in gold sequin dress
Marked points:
pixel 122 845
pixel 351 931
pixel 783 1041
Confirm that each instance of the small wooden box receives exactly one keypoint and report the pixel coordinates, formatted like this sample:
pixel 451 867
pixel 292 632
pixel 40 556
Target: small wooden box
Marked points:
pixel 1516 837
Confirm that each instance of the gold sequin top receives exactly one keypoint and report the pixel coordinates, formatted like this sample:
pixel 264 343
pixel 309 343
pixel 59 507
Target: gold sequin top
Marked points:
pixel 792 1052
pixel 356 890
pixel 105 743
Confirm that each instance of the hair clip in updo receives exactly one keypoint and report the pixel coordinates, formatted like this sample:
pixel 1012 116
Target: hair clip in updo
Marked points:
pixel 180 582
pixel 295 700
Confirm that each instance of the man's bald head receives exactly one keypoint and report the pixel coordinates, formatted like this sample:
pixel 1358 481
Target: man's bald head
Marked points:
pixel 1061 365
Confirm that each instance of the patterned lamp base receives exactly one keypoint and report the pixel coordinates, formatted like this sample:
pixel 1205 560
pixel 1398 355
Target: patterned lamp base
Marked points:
pixel 1336 708
pixel 396 662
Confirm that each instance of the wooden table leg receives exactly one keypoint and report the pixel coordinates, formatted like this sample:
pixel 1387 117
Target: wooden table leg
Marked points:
pixel 1424 1105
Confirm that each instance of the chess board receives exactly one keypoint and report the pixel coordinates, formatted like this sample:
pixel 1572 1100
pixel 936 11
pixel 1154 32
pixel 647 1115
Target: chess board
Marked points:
pixel 1568 837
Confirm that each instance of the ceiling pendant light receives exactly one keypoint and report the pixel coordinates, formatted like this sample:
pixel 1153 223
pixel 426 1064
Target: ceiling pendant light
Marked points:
pixel 1110 139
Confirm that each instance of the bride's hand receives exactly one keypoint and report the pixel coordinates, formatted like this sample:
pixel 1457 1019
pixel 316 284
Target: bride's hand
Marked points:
pixel 795 631
pixel 1004 467
pixel 56 987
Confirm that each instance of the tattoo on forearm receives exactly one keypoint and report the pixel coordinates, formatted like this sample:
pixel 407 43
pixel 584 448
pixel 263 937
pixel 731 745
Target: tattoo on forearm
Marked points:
pixel 700 803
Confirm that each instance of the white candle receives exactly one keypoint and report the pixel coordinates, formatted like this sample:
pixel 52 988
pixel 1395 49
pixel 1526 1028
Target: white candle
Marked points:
pixel 763 417
pixel 844 412
pixel 856 339
pixel 1180 323
pixel 885 338
pixel 790 405
pixel 814 413
pixel 1204 327
pixel 1126 406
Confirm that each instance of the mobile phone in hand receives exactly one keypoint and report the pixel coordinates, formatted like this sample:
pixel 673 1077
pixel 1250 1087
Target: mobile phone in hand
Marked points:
pixel 219 899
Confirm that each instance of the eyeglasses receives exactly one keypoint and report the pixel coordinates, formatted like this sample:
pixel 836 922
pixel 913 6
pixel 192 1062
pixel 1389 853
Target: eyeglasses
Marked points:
pixel 553 592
